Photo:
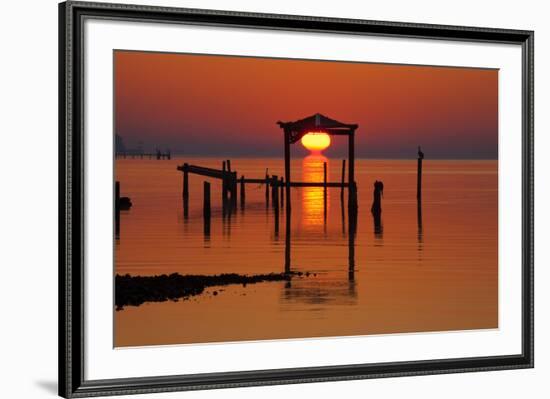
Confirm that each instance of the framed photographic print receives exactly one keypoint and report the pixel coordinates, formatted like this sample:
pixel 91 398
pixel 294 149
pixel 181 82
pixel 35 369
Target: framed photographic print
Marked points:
pixel 252 199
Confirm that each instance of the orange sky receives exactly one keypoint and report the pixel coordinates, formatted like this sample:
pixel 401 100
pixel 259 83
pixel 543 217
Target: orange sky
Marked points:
pixel 228 106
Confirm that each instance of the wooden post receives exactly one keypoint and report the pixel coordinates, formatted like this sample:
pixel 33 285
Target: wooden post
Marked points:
pixel 206 208
pixel 224 184
pixel 242 192
pixel 352 200
pixel 274 192
pixel 282 188
pixel 233 189
pixel 185 190
pixel 352 187
pixel 287 167
pixel 206 200
pixel 419 180
pixel 343 179
pixel 351 157
pixel 325 191
pixel 229 165
pixel 266 187
pixel 275 199
pixel 185 181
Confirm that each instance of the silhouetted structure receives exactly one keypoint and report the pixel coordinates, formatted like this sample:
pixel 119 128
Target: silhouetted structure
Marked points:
pixel 206 209
pixel 419 175
pixel 294 131
pixel 377 195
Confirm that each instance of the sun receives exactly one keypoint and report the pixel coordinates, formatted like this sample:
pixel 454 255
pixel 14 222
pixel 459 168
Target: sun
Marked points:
pixel 316 141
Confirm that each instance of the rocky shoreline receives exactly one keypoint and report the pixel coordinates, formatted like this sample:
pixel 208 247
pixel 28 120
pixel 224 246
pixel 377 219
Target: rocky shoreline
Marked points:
pixel 136 290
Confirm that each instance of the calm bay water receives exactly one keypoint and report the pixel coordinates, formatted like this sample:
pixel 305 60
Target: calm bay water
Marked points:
pixel 431 272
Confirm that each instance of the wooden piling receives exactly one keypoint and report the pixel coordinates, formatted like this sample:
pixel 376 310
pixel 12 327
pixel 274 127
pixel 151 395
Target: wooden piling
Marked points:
pixel 229 165
pixel 282 187
pixel 185 181
pixel 206 208
pixel 233 189
pixel 419 180
pixel 343 179
pixel 352 199
pixel 274 192
pixel 287 167
pixel 224 184
pixel 275 200
pixel 242 191
pixel 351 157
pixel 266 187
pixel 325 191
pixel 206 200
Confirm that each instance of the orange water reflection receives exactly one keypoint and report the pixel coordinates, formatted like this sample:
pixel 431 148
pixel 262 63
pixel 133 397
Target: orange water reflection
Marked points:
pixel 314 204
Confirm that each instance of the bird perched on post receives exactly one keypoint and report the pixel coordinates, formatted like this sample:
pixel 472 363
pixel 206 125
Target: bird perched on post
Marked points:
pixel 420 153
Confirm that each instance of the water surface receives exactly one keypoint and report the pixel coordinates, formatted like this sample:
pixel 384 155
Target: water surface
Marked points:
pixel 434 270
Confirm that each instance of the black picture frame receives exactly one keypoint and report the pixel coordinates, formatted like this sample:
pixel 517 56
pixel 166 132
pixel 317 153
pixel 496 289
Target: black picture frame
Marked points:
pixel 71 196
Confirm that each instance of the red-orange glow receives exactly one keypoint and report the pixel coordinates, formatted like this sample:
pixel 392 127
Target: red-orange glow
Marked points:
pixel 316 141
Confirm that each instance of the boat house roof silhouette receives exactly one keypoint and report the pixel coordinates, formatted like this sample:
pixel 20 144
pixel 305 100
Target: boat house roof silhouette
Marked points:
pixel 316 123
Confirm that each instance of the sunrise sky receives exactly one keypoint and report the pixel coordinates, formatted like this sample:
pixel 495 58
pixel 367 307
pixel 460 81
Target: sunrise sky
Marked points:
pixel 205 105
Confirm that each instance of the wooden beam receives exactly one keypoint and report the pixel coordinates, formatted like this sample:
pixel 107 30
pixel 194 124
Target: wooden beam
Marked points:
pixel 317 184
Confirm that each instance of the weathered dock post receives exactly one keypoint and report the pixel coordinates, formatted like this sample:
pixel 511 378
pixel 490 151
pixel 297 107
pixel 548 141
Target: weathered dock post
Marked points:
pixel 352 186
pixel 233 189
pixel 343 179
pixel 266 187
pixel 376 208
pixel 224 187
pixel 185 181
pixel 325 191
pixel 282 188
pixel 352 198
pixel 185 190
pixel 351 166
pixel 377 194
pixel 419 175
pixel 206 208
pixel 287 167
pixel 274 191
pixel 243 195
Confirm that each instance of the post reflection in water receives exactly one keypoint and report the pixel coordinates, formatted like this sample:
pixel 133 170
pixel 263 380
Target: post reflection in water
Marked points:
pixel 378 226
pixel 420 234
